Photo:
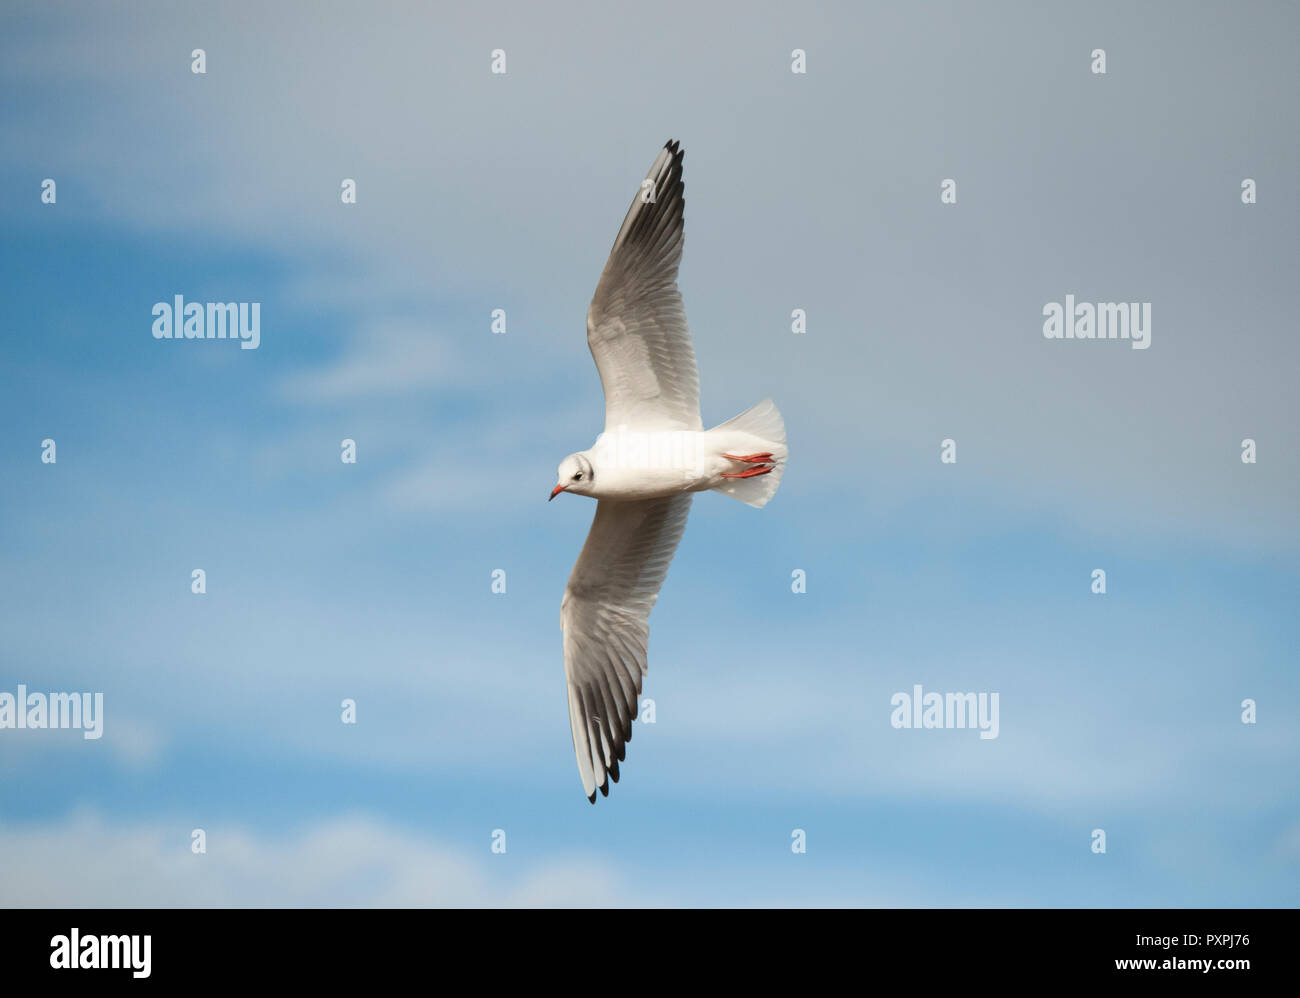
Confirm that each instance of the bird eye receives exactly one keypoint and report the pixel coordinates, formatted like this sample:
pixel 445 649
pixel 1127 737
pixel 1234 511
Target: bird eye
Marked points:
pixel 578 477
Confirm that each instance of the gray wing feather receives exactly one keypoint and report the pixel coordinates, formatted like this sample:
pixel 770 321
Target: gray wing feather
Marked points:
pixel 636 323
pixel 605 616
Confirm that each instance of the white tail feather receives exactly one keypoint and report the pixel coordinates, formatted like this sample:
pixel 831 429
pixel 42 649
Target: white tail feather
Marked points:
pixel 762 423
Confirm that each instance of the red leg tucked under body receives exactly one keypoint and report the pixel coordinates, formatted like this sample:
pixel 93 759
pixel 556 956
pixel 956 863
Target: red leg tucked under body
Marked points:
pixel 750 458
pixel 748 472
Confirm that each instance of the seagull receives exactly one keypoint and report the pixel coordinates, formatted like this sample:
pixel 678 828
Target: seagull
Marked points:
pixel 653 455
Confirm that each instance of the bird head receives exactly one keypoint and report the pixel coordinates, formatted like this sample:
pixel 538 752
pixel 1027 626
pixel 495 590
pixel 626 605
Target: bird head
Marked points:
pixel 575 475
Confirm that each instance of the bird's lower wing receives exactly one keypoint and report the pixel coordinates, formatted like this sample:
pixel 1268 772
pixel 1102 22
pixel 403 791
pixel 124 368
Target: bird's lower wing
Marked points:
pixel 606 620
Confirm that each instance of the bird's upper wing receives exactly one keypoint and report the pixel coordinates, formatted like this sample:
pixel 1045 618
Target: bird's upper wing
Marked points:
pixel 636 325
pixel 606 620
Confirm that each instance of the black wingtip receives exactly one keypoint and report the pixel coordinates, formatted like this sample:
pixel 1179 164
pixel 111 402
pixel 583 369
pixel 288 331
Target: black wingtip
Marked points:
pixel 604 789
pixel 592 797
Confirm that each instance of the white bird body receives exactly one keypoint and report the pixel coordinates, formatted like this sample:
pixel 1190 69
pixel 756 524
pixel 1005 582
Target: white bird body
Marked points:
pixel 651 464
pixel 653 455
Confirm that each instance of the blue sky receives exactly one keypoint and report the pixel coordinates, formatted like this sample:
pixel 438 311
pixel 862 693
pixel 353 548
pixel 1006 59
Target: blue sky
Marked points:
pixel 372 581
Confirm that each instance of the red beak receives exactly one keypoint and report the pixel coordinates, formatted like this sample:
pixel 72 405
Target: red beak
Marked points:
pixel 556 491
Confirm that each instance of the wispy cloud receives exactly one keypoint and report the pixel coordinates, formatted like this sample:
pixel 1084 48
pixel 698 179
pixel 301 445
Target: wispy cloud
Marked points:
pixel 87 861
pixel 388 359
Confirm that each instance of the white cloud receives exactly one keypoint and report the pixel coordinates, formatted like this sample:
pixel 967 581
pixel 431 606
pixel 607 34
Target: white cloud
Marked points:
pixel 392 358
pixel 131 742
pixel 86 861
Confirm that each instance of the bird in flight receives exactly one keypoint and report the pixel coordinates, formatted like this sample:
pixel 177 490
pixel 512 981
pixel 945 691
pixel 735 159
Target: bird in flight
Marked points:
pixel 643 469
